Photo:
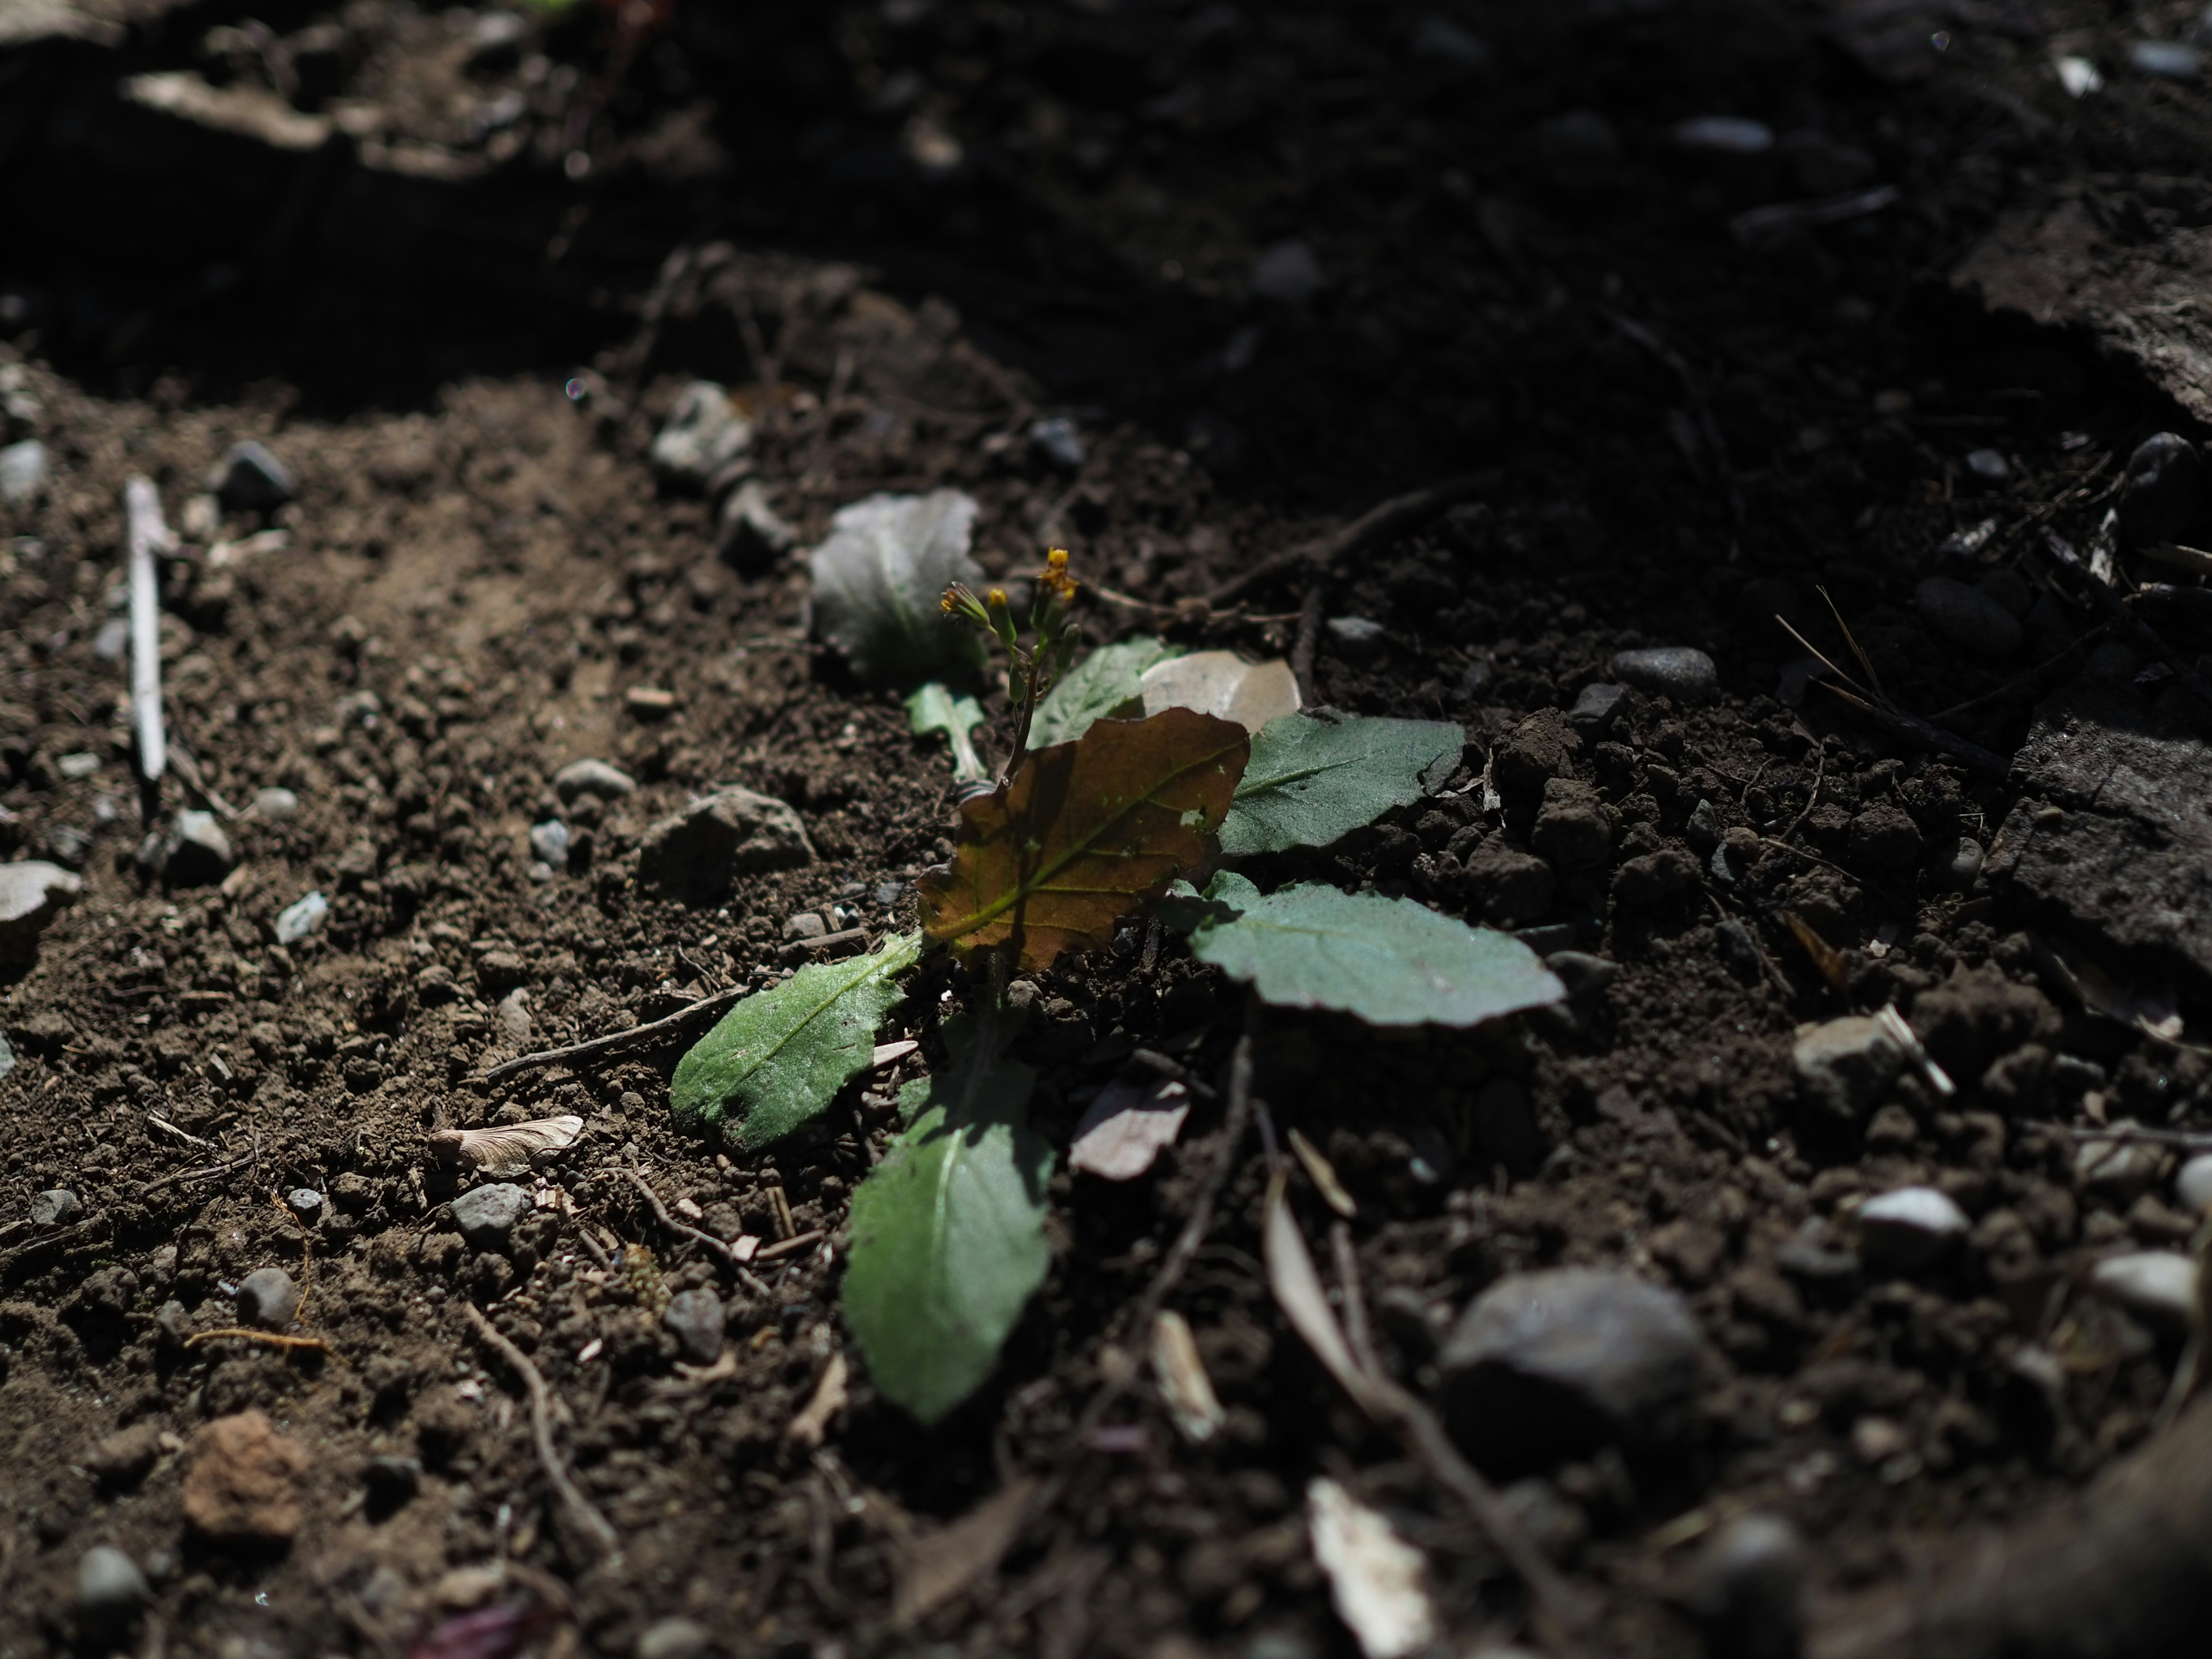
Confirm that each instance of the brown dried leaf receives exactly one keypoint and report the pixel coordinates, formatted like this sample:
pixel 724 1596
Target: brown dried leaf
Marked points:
pixel 506 1149
pixel 1086 833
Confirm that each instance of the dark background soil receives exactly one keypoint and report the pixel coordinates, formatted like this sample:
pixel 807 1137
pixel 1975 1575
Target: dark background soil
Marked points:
pixel 904 233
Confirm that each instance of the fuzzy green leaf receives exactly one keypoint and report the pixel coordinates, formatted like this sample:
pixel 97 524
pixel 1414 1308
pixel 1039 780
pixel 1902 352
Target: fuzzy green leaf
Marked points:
pixel 776 1059
pixel 1390 962
pixel 1313 779
pixel 934 709
pixel 1103 686
pixel 878 579
pixel 948 1242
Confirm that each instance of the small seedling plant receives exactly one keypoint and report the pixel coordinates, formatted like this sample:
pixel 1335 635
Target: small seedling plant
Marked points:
pixel 1101 812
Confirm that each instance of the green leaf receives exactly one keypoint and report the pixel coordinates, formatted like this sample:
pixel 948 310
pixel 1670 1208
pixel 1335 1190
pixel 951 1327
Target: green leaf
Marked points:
pixel 879 580
pixel 1103 686
pixel 1312 779
pixel 934 709
pixel 777 1059
pixel 948 1242
pixel 1390 962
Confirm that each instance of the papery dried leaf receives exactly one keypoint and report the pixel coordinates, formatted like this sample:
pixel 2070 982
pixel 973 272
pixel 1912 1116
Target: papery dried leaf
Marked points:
pixel 506 1149
pixel 1374 1575
pixel 1086 833
pixel 1128 1127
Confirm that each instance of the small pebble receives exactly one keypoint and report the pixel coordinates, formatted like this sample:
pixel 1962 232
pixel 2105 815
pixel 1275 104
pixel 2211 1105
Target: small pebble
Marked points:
pixel 2168 60
pixel 1056 439
pixel 804 924
pixel 673 1638
pixel 2123 1168
pixel 887 893
pixel 1903 1230
pixel 1357 639
pixel 1989 466
pixel 113 639
pixel 111 1592
pixel 81 764
pixel 548 843
pixel 2160 1285
pixel 751 536
pixel 249 477
pixel 55 1207
pixel 486 1215
pixel 2164 486
pixel 1962 863
pixel 592 777
pixel 23 471
pixel 1723 135
pixel 1287 272
pixel 695 1317
pixel 391 1482
pixel 704 437
pixel 197 853
pixel 1702 830
pixel 267 1297
pixel 1967 616
pixel 305 1202
pixel 1680 672
pixel 1748 1589
pixel 1596 708
pixel 295 921
pixel 2192 1188
pixel 275 804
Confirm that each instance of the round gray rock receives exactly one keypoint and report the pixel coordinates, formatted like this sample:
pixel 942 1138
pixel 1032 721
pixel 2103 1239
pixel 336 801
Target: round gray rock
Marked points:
pixel 23 471
pixel 2160 1286
pixel 2193 1185
pixel 1967 616
pixel 32 894
pixel 1596 708
pixel 54 1206
pixel 1748 1589
pixel 111 1591
pixel 1553 1364
pixel 548 843
pixel 268 1297
pixel 486 1215
pixel 695 1317
pixel 595 778
pixel 305 1202
pixel 1907 1230
pixel 2165 485
pixel 1843 1065
pixel 673 1638
pixel 249 477
pixel 1680 672
pixel 274 803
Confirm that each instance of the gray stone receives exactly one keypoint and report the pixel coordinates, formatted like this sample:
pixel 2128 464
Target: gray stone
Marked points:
pixel 751 535
pixel 1967 616
pixel 804 924
pixel 486 1215
pixel 1989 466
pixel 1596 708
pixel 2167 60
pixel 268 1297
pixel 196 852
pixel 1680 672
pixel 694 854
pixel 298 920
pixel 704 437
pixel 1747 1590
pixel 305 1202
pixel 2165 486
pixel 54 1206
pixel 695 1317
pixel 1843 1067
pixel 1056 438
pixel 2122 1170
pixel 32 894
pixel 674 1637
pixel 592 777
pixel 2161 1285
pixel 1357 639
pixel 250 478
pixel 1909 1229
pixel 2192 1188
pixel 275 804
pixel 1704 828
pixel 1961 862
pixel 111 1592
pixel 23 471
pixel 548 843
pixel 1555 1364
pixel 1287 272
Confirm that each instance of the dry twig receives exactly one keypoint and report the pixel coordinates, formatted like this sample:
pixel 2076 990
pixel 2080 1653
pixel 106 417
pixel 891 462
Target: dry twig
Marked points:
pixel 1393 519
pixel 589 1525
pixel 714 1246
pixel 613 1041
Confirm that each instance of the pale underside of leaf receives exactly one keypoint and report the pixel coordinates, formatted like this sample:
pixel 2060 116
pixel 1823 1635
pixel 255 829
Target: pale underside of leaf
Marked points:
pixel 1313 779
pixel 1084 834
pixel 778 1057
pixel 1223 684
pixel 1104 685
pixel 1390 962
pixel 878 578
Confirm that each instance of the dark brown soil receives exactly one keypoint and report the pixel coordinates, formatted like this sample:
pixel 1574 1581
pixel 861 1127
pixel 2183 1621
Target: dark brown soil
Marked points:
pixel 904 233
